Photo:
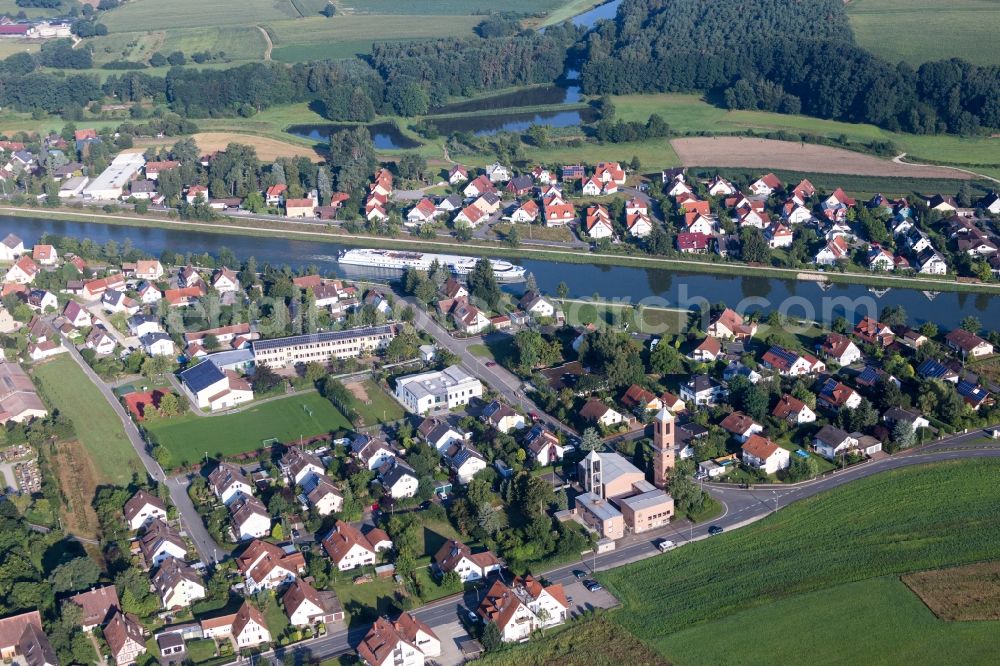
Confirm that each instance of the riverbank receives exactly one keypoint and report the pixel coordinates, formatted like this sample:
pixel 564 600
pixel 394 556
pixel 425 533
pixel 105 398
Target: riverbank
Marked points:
pixel 526 250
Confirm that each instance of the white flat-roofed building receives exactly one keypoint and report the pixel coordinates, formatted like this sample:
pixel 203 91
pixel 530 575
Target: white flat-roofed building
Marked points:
pixel 321 347
pixel 111 182
pixel 72 187
pixel 436 390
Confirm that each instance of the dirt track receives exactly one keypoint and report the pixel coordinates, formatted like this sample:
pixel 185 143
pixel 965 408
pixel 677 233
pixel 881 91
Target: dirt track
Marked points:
pixel 733 151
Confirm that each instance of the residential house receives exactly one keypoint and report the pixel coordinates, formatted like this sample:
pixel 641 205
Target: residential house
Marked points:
pixel 835 250
pixel 831 441
pixel 42 301
pixel 455 556
pixel 11 248
pixel 398 479
pixel 301 467
pixel 766 185
pixel 874 332
pixel 437 390
pixel 942 203
pixel 300 208
pixel 931 262
pixel 440 434
pixel 464 461
pixel 405 641
pixel 840 349
pixel 250 518
pixel 502 417
pixel 526 212
pixel 325 497
pixel 536 305
pixel 879 259
pixel 265 566
pixel 19 401
pixel 157 344
pixel 125 638
pixel 702 390
pixel 598 224
pixel 558 214
pixel 595 411
pixel 523 607
pixel 973 394
pixel 457 174
pixel 763 454
pixel 178 584
pixel 968 344
pixel 740 426
pixel 424 211
pixel 478 187
pixel 225 281
pixel 693 243
pixel 210 387
pixel 45 255
pixel 497 173
pixel 23 271
pixel 894 415
pixel 639 400
pixel 836 396
pixel 730 325
pixel 228 483
pixel 638 224
pixel 372 452
pixel 793 410
pixel 11 630
pixel 790 363
pixel 707 350
pixel 347 547
pixel 34 648
pixel 76 315
pixel 249 627
pixel 98 605
pixel 305 605
pixel 468 318
pixel 142 509
pixel 720 187
pixel 934 369
pixel 159 542
pixel 610 172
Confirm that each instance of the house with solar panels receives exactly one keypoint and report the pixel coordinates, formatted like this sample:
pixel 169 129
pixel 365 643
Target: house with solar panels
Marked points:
pixel 210 387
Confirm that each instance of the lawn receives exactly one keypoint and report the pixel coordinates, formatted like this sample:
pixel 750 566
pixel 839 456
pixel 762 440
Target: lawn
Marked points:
pixel 190 437
pixel 365 602
pixel 893 523
pixel 381 407
pixel 497 347
pixel 890 624
pixel 919 31
pixel 588 642
pixel 201 650
pixel 97 426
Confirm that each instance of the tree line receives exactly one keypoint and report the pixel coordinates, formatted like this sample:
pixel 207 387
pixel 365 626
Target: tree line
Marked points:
pixel 785 56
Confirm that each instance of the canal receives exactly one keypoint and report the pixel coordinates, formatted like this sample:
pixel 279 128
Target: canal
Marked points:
pixel 658 287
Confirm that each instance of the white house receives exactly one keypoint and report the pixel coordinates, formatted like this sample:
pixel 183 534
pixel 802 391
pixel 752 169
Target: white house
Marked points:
pixel 229 483
pixel 523 607
pixel 177 584
pixel 763 454
pixel 249 627
pixel 158 344
pixel 596 411
pixel 347 547
pixel 142 509
pixel 250 518
pixel 456 556
pixel 160 542
pixel 793 410
pixel 398 479
pixel 265 566
pixel 306 606
pixel 215 389
pixel 404 642
pixel 831 441
pixel 325 497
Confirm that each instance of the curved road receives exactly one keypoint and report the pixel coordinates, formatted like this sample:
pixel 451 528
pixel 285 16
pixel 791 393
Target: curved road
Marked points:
pixel 743 507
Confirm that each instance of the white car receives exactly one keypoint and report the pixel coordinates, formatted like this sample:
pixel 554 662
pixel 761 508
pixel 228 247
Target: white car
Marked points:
pixel 665 544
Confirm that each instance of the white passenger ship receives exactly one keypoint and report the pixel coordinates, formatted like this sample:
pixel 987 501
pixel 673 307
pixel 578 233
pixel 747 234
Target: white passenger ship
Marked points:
pixel 504 270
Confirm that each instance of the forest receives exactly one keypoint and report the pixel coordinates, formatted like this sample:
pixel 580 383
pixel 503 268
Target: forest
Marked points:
pixel 785 56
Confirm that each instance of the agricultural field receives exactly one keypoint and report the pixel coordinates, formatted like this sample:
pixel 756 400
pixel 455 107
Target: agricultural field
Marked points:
pixel 890 524
pixel 268 149
pixel 964 593
pixel 345 36
pixel 907 632
pixel 692 114
pixel 189 437
pixel 918 31
pixel 739 151
pixel 140 15
pixel 97 425
pixel 445 7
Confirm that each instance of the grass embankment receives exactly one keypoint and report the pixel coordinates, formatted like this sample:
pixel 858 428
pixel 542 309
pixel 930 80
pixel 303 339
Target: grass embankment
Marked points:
pixel 890 524
pixel 97 426
pixel 586 642
pixel 189 437
pixel 330 234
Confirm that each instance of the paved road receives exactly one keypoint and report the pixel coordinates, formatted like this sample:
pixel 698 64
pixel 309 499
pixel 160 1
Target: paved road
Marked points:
pixel 742 507
pixel 207 548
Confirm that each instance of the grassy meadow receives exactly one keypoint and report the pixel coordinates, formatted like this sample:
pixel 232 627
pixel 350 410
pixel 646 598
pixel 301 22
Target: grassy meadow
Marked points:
pixel 918 31
pixel 893 523
pixel 97 425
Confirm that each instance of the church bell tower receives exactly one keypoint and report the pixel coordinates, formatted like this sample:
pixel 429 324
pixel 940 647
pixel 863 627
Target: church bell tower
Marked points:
pixel 663 447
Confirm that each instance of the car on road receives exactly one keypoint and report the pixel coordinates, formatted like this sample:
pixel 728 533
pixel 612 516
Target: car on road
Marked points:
pixel 592 586
pixel 665 544
pixel 715 530
pixel 534 416
pixel 490 364
pixel 578 573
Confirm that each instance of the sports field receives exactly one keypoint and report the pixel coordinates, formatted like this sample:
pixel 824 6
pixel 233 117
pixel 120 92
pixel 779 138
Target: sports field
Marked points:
pixel 190 437
pixel 918 31
pixel 893 523
pixel 97 426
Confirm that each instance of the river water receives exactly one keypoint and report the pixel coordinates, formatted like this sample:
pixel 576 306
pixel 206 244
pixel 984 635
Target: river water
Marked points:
pixel 655 287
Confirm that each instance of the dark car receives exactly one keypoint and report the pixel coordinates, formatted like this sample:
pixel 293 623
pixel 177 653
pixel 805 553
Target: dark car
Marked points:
pixel 490 364
pixel 578 574
pixel 715 530
pixel 592 586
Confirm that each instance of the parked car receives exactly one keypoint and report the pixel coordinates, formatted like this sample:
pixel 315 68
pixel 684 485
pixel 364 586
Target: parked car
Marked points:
pixel 592 586
pixel 490 364
pixel 665 544
pixel 578 573
pixel 715 530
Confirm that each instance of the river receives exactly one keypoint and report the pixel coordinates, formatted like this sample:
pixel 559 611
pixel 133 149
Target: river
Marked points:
pixel 660 287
